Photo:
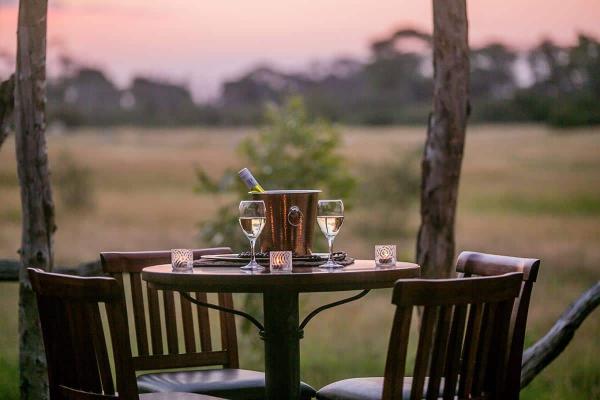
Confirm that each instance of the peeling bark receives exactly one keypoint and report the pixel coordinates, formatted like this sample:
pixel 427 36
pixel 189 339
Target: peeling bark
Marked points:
pixel 442 158
pixel 545 350
pixel 36 196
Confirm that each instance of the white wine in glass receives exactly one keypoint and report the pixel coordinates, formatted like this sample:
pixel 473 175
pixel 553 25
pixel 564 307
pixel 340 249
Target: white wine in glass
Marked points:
pixel 330 226
pixel 330 217
pixel 252 220
pixel 252 226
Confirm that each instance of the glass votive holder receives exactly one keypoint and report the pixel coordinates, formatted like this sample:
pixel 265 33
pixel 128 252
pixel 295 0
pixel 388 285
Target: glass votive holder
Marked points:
pixel 182 260
pixel 385 255
pixel 280 261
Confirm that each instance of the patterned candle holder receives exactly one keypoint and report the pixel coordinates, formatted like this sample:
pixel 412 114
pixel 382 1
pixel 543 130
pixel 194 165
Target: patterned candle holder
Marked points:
pixel 385 255
pixel 182 260
pixel 280 261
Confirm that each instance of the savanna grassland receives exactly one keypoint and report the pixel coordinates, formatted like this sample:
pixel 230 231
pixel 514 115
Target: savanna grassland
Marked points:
pixel 525 191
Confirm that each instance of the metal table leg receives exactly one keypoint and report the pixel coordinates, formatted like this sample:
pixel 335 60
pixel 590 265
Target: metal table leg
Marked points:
pixel 282 335
pixel 282 345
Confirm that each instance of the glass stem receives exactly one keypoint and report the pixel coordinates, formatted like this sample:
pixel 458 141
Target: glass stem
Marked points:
pixel 252 243
pixel 330 243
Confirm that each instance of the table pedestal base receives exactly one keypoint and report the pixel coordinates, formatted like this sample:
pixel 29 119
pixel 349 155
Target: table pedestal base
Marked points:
pixel 282 345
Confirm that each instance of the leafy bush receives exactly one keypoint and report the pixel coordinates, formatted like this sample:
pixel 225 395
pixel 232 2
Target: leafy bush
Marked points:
pixel 292 151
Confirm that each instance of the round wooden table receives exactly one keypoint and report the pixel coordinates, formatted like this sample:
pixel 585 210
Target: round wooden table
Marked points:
pixel 282 331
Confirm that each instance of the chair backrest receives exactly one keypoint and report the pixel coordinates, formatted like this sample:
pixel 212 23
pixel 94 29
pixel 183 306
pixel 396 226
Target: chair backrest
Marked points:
pixel 149 351
pixel 463 338
pixel 74 341
pixel 481 264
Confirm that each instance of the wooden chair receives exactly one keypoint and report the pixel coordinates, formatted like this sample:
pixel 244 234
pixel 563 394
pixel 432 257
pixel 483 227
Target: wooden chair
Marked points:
pixel 224 377
pixel 76 351
pixel 463 342
pixel 480 264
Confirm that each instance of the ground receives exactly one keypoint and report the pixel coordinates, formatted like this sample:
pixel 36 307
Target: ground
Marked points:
pixel 525 191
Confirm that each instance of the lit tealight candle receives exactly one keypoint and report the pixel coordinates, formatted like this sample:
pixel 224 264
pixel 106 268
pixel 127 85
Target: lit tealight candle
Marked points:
pixel 280 261
pixel 182 260
pixel 385 255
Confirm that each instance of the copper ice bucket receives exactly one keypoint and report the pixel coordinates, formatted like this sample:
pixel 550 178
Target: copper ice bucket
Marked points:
pixel 290 224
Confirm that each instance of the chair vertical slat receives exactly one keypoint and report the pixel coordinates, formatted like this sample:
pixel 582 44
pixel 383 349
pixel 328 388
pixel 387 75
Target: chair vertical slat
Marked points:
pixel 85 364
pixel 203 323
pixel 119 278
pixel 100 347
pixel 228 332
pixel 470 350
pixel 137 298
pixel 455 344
pixel 155 330
pixel 438 358
pixel 396 358
pixel 516 331
pixel 499 367
pixel 488 328
pixel 423 351
pixel 188 325
pixel 171 322
pixel 468 333
pixel 57 344
pixel 117 323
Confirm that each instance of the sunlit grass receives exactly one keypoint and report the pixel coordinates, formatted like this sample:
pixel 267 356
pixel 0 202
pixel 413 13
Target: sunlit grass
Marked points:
pixel 525 191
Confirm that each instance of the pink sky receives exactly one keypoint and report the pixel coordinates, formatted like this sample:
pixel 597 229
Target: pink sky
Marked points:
pixel 204 42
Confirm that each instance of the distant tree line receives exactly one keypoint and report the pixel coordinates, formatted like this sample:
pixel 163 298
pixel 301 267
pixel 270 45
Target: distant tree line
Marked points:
pixel 549 83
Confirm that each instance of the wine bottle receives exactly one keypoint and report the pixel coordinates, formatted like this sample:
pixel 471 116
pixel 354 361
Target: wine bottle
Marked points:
pixel 250 181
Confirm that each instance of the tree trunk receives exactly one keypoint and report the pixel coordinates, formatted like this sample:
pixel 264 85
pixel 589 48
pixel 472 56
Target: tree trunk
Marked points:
pixel 7 102
pixel 443 153
pixel 36 196
pixel 545 350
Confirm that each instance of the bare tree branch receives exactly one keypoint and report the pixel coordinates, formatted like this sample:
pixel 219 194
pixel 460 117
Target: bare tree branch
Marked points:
pixel 7 105
pixel 545 350
pixel 9 270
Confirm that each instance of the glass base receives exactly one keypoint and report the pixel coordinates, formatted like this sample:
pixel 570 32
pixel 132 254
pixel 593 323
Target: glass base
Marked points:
pixel 252 266
pixel 330 264
pixel 183 270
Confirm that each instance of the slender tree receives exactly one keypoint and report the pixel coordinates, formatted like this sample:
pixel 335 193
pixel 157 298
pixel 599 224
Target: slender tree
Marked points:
pixel 442 158
pixel 36 195
pixel 442 161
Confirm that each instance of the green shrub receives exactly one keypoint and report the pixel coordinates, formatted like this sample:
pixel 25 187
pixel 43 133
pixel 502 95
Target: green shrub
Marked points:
pixel 292 151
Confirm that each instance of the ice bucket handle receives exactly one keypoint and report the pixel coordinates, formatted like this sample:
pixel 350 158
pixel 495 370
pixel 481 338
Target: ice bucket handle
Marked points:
pixel 295 216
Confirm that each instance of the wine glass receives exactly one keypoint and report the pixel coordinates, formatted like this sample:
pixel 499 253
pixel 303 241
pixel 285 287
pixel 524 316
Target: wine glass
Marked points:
pixel 252 221
pixel 330 217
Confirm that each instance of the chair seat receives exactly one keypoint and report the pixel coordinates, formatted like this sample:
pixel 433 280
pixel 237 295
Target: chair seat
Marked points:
pixel 177 396
pixel 233 384
pixel 364 389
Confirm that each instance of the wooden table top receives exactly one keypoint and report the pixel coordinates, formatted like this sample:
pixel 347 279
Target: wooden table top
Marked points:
pixel 363 274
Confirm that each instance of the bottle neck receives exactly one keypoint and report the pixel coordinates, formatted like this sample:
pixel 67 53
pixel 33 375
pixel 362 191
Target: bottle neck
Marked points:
pixel 250 181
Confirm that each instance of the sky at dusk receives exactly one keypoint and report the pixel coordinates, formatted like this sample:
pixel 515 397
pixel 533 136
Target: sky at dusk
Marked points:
pixel 201 43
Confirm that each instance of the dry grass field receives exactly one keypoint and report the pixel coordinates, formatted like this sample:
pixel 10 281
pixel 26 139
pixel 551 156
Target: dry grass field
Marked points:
pixel 525 191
